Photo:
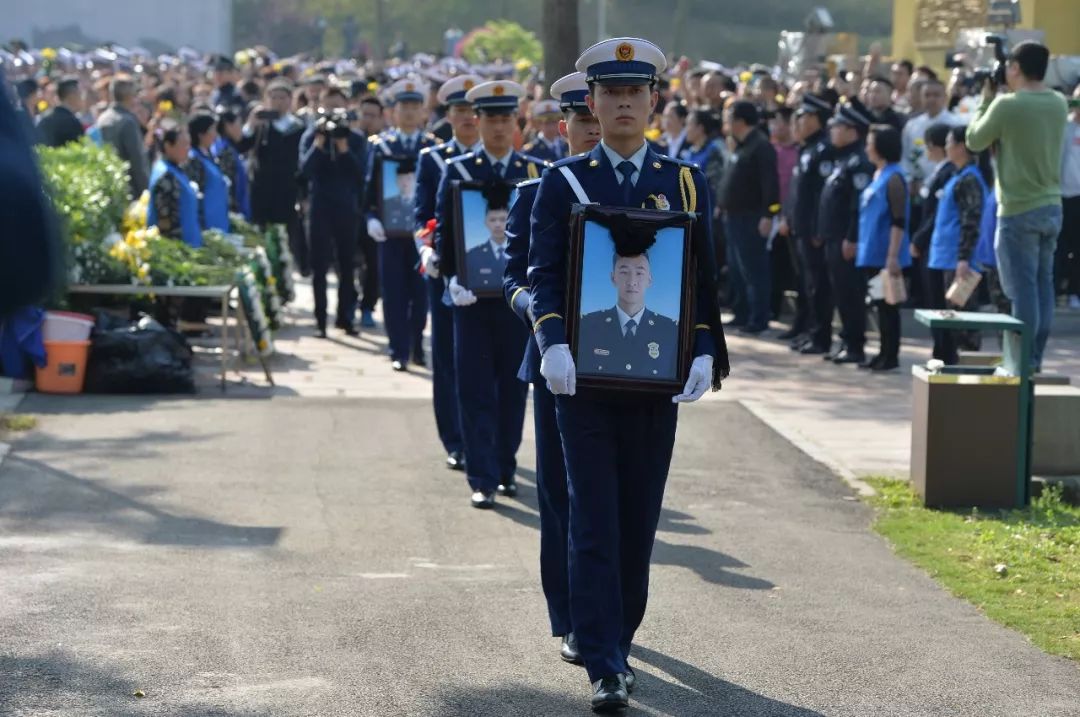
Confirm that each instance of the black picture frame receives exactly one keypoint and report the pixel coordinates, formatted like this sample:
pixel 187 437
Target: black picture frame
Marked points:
pixel 588 377
pixel 397 217
pixel 489 284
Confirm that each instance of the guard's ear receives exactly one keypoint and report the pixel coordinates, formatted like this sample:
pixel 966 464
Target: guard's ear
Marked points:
pixel 563 132
pixel 590 102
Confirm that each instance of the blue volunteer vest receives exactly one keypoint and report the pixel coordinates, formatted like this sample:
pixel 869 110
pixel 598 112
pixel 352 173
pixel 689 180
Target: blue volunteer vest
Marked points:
pixel 190 231
pixel 240 185
pixel 215 193
pixel 984 250
pixel 875 223
pixel 945 243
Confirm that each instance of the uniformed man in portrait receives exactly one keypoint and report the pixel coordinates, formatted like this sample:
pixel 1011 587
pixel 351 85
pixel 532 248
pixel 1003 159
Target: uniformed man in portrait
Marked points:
pixel 398 208
pixel 485 263
pixel 629 339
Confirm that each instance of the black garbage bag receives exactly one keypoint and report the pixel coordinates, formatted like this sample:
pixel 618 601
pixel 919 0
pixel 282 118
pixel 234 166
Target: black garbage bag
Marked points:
pixel 140 357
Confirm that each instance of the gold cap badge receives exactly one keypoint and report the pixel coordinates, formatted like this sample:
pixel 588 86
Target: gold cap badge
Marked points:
pixel 624 52
pixel 468 85
pixel 498 90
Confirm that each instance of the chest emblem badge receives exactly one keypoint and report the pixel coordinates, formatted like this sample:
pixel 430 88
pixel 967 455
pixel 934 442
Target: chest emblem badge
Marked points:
pixel 654 350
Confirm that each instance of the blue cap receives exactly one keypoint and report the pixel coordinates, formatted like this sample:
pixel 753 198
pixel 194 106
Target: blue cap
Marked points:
pixel 622 61
pixel 496 96
pixel 571 91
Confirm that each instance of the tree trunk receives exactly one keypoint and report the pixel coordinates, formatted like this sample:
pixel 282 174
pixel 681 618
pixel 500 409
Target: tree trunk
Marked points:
pixel 561 37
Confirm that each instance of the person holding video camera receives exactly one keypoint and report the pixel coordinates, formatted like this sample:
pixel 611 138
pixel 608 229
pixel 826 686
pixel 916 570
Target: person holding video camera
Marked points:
pixel 332 160
pixel 1027 127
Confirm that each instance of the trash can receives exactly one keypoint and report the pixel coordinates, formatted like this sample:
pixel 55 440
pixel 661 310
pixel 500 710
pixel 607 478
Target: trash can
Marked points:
pixel 971 425
pixel 65 370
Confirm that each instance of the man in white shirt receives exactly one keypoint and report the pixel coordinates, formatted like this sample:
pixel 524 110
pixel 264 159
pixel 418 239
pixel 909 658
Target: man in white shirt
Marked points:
pixel 917 165
pixel 1068 251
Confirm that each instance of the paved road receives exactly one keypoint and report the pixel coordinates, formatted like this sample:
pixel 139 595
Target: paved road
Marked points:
pixel 295 556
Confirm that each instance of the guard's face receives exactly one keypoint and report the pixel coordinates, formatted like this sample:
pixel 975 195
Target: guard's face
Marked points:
pixel 623 110
pixel 408 113
pixel 463 119
pixel 495 220
pixel 582 132
pixel 497 130
pixel 548 126
pixel 632 276
pixel 841 135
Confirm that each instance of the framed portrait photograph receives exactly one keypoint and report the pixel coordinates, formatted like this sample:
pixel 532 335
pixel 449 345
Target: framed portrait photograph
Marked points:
pixel 396 192
pixel 480 234
pixel 630 298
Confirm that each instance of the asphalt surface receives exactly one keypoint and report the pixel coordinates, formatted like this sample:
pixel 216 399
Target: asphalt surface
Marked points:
pixel 311 557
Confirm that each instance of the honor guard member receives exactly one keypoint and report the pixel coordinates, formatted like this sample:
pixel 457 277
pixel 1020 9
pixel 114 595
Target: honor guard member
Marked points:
pixel 548 144
pixel 838 225
pixel 487 336
pixel 403 292
pixel 462 118
pixel 617 445
pixel 814 166
pixel 582 132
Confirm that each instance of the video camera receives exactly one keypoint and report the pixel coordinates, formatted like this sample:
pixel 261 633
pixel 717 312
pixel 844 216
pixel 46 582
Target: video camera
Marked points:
pixel 335 124
pixel 992 73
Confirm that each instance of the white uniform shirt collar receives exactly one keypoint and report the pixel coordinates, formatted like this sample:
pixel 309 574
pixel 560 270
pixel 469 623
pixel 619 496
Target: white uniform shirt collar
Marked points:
pixel 638 159
pixel 495 247
pixel 412 138
pixel 505 159
pixel 624 317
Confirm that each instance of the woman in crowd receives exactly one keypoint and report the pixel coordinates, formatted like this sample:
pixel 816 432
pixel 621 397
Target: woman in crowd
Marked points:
pixel 233 165
pixel 956 229
pixel 205 173
pixel 883 234
pixel 174 203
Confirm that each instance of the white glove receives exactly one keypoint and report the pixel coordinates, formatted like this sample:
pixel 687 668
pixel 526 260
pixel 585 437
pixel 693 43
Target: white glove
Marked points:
pixel 699 381
pixel 430 260
pixel 557 366
pixel 460 295
pixel 375 230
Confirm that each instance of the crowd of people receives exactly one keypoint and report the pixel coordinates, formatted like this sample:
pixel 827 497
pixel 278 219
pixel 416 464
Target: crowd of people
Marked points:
pixel 839 189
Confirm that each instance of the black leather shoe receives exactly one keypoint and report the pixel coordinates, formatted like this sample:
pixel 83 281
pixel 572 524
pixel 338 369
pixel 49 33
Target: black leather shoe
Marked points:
pixel 753 330
pixel 798 343
pixel 610 695
pixel 350 331
pixel 508 488
pixel 569 652
pixel 870 362
pixel 419 360
pixel 320 333
pixel 630 679
pixel 398 366
pixel 845 357
pixel 812 349
pixel 456 461
pixel 886 365
pixel 483 500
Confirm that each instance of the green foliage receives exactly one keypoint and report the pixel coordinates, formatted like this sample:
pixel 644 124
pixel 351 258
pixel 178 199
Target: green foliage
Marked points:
pixel 503 40
pixel 1020 567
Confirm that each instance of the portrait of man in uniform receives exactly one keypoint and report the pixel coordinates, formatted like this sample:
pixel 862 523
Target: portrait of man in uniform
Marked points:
pixel 635 333
pixel 398 194
pixel 483 215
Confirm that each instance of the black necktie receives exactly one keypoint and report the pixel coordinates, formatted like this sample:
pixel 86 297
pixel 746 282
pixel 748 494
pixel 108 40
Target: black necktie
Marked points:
pixel 498 169
pixel 626 169
pixel 631 325
pixel 499 254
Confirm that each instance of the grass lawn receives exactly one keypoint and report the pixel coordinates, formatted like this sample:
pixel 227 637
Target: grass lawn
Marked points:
pixel 1021 568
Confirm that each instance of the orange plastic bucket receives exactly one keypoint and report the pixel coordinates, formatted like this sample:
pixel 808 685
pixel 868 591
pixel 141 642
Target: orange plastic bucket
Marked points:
pixel 65 371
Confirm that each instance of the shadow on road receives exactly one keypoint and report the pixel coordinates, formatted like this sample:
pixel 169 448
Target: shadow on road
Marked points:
pixel 38 684
pixel 703 693
pixel 51 499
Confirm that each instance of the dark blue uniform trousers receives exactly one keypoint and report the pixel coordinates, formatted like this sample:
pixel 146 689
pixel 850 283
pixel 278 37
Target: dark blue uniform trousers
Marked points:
pixel 333 235
pixel 849 292
pixel 404 297
pixel 617 460
pixel 443 378
pixel 487 353
pixel 554 501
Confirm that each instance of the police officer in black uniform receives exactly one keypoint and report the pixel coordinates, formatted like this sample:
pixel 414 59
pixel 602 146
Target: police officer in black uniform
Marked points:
pixel 815 165
pixel 838 225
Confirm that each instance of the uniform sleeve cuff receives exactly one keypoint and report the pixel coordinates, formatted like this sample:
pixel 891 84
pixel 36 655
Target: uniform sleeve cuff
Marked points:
pixel 550 330
pixel 704 344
